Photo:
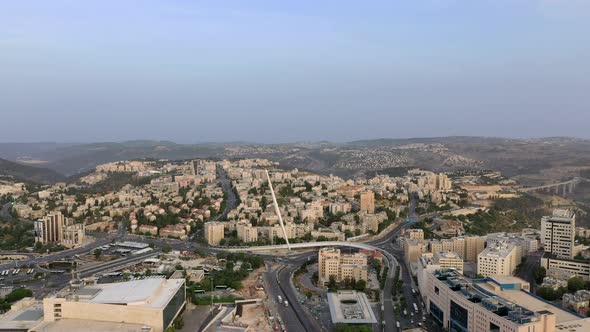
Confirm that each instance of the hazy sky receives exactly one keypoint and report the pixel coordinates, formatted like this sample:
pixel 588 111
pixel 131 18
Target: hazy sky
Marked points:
pixel 286 70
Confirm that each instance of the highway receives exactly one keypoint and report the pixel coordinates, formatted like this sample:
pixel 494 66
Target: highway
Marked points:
pixel 36 260
pixel 277 281
pixel 292 319
pixel 384 244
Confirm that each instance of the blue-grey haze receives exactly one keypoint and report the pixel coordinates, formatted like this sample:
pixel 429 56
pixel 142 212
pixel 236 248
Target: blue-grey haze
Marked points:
pixel 291 70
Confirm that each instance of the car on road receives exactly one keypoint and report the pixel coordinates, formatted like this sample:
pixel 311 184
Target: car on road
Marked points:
pixel 286 303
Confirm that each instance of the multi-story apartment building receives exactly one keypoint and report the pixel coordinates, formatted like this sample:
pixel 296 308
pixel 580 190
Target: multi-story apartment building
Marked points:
pixel 214 232
pixel 331 262
pixel 368 202
pixel 55 228
pixel 417 234
pixel 413 249
pixel 50 228
pixel 339 207
pixel 456 244
pixel 246 232
pixel 448 259
pixel 474 245
pixel 73 235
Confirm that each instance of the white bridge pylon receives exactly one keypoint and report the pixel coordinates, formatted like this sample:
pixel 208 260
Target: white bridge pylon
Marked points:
pixel 277 210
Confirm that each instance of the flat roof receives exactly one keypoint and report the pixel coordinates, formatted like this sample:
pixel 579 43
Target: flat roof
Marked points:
pixel 492 297
pixel 33 314
pixel 350 307
pixel 87 291
pixel 90 326
pixel 532 303
pixel 503 280
pixel 24 318
pixel 154 292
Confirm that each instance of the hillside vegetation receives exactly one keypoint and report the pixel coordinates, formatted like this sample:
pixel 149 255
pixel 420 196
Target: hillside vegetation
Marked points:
pixel 12 171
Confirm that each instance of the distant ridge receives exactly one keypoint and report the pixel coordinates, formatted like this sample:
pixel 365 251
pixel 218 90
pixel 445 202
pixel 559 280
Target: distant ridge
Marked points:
pixel 23 173
pixel 512 156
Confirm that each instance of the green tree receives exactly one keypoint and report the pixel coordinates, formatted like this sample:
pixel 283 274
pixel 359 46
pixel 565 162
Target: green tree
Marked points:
pixel 167 248
pixel 575 284
pixel 540 274
pixel 332 282
pixel 360 285
pixel 97 253
pixel 548 293
pixel 17 295
pixel 178 323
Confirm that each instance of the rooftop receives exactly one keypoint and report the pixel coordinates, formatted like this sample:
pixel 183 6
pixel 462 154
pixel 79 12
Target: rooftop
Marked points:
pixel 24 315
pixel 90 326
pixel 350 307
pixel 155 292
pixel 501 249
pixel 504 296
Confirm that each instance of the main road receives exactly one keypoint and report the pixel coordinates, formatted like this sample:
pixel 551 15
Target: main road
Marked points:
pixel 35 260
pixel 279 281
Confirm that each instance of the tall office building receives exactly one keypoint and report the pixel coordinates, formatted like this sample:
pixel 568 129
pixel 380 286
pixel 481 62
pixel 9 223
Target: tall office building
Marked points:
pixel 558 233
pixel 214 232
pixel 368 202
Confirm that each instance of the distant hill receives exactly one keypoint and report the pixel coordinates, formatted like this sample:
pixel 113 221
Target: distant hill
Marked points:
pixel 70 159
pixel 531 161
pixel 23 173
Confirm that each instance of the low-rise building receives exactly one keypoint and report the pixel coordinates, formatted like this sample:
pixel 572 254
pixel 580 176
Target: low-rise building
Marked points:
pixel 350 307
pixel 577 301
pixel 148 229
pixel 152 302
pixel 564 269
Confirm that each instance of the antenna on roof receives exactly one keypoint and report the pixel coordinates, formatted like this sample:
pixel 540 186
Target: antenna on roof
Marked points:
pixel 277 210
